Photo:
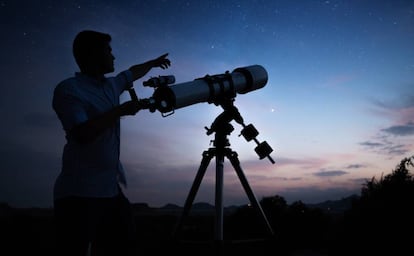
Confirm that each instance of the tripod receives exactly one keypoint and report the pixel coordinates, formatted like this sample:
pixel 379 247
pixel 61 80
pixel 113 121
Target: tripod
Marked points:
pixel 222 127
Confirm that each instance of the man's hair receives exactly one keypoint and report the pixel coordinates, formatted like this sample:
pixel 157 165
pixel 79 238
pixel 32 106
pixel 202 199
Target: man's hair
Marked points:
pixel 88 46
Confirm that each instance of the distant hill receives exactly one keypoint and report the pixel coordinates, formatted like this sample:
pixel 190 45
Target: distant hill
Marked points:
pixel 203 208
pixel 335 206
pixel 198 208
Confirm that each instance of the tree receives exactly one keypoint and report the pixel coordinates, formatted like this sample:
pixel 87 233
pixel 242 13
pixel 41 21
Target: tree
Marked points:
pixel 382 217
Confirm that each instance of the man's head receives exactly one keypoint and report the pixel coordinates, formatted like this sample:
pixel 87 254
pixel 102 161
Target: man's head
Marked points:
pixel 93 53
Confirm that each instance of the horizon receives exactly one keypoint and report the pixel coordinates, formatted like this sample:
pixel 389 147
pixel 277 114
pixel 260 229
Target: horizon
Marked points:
pixel 2 204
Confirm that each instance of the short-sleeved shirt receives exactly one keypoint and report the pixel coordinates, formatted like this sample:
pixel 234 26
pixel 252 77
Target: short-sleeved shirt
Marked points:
pixel 90 169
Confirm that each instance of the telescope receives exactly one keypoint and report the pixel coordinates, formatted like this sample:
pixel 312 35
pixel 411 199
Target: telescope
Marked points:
pixel 219 89
pixel 215 89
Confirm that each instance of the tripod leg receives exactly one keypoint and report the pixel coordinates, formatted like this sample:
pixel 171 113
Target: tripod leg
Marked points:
pixel 219 197
pixel 236 164
pixel 207 156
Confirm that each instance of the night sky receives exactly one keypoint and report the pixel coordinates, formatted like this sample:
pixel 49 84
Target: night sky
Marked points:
pixel 338 107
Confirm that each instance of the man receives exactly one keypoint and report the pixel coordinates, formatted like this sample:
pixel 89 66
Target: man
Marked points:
pixel 91 211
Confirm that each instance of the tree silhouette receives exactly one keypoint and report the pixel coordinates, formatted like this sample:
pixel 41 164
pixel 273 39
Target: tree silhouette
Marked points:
pixel 381 219
pixel 297 226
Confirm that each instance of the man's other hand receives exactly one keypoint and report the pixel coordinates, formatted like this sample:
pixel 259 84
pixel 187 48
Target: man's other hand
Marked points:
pixel 129 108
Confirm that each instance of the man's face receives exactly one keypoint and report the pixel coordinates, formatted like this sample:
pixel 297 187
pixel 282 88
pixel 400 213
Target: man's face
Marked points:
pixel 107 60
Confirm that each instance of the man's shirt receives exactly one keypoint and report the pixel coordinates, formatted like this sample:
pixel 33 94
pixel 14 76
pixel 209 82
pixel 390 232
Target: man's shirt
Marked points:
pixel 91 169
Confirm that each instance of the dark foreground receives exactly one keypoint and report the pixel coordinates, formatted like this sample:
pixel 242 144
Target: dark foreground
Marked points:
pixel 31 232
pixel 298 231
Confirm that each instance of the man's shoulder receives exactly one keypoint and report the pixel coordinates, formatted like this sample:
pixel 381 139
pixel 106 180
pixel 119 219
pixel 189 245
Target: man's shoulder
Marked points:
pixel 67 85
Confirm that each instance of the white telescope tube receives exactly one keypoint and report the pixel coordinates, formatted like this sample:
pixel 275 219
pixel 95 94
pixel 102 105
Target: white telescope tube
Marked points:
pixel 210 88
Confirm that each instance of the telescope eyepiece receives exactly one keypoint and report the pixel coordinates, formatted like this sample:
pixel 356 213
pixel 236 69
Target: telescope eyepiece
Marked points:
pixel 159 81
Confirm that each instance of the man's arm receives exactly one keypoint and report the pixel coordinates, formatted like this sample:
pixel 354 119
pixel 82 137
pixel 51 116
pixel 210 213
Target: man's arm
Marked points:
pixel 91 129
pixel 141 70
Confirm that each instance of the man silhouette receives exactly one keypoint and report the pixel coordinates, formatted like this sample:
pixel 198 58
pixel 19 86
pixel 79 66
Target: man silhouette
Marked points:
pixel 91 211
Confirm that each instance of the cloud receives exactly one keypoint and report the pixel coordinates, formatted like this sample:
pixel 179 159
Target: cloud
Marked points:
pixel 331 173
pixel 371 144
pixel 400 110
pixel 394 140
pixel 396 149
pixel 400 130
pixel 387 147
pixel 355 166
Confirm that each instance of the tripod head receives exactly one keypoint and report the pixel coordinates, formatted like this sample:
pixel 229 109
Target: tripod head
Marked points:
pixel 222 121
pixel 222 127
